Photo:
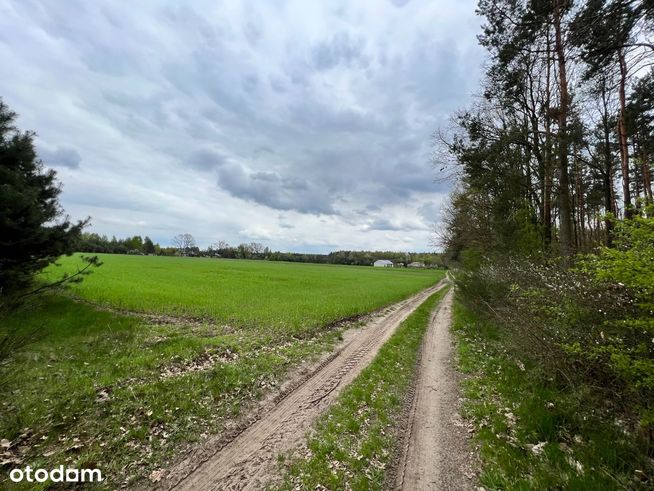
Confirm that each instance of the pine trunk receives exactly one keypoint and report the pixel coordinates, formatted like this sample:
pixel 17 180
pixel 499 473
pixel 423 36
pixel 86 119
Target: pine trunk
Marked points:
pixel 565 212
pixel 622 137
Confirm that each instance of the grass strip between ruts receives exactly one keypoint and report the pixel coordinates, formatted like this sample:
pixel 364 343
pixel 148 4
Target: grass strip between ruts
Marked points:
pixel 353 441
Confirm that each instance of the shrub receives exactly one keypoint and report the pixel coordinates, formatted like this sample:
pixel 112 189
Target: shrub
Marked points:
pixel 629 350
pixel 590 325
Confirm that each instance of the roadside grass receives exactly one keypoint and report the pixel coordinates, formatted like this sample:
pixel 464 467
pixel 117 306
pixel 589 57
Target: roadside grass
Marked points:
pixel 92 387
pixel 532 432
pixel 352 442
pixel 292 298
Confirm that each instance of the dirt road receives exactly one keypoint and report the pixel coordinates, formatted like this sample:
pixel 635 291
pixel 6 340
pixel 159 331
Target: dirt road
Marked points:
pixel 248 460
pixel 436 454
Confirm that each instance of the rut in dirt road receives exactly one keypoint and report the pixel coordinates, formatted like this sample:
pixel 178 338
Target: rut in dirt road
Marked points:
pixel 436 453
pixel 249 460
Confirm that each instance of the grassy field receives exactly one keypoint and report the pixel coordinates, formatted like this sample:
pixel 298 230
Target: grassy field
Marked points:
pixel 90 386
pixel 287 296
pixel 350 446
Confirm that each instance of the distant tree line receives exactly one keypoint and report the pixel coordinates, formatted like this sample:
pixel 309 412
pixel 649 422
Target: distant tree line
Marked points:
pixel 185 245
pixel 91 242
pixel 255 250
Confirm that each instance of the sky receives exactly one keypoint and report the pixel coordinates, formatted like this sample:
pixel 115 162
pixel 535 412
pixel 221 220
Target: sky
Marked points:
pixel 307 126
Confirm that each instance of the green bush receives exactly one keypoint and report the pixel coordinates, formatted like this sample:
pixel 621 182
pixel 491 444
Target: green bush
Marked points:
pixel 591 325
pixel 630 349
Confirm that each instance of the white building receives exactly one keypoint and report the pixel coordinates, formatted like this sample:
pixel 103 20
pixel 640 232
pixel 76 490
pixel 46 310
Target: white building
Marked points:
pixel 383 263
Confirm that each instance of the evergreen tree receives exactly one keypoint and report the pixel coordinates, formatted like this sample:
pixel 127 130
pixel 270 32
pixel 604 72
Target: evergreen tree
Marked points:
pixel 148 246
pixel 33 231
pixel 639 122
pixel 605 30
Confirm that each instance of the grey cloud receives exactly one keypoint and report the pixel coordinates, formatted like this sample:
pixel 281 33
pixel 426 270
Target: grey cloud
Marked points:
pixel 272 190
pixel 61 157
pixel 341 49
pixel 253 32
pixel 408 177
pixel 283 222
pixel 323 117
pixel 429 212
pixel 206 159
pixel 277 84
pixel 250 82
pixel 384 223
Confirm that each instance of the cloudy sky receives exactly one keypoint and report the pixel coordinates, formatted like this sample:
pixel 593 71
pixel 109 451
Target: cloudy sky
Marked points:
pixel 304 125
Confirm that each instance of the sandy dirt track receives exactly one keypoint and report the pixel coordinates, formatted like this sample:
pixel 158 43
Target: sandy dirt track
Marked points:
pixel 436 453
pixel 249 459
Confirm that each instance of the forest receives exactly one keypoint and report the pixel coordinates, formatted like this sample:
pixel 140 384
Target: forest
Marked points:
pixel 559 142
pixel 552 223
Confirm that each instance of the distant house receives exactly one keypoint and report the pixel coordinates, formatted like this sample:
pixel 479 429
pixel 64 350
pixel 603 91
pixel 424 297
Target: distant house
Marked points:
pixel 416 264
pixel 383 263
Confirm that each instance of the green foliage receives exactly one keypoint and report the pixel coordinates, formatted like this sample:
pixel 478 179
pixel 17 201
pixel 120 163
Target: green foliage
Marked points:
pixel 630 348
pixel 528 236
pixel 92 242
pixel 32 231
pixel 581 326
pixel 148 246
pixel 631 261
pixel 535 430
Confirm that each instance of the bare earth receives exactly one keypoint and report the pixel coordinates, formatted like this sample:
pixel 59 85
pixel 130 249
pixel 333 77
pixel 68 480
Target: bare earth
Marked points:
pixel 249 459
pixel 436 454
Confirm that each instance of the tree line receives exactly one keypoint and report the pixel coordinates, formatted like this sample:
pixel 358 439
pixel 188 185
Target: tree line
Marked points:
pixel 92 242
pixel 561 139
pixel 551 224
pixel 185 245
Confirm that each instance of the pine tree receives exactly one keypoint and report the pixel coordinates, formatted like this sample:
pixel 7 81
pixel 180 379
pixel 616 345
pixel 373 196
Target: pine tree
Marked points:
pixel 33 230
pixel 605 32
pixel 148 246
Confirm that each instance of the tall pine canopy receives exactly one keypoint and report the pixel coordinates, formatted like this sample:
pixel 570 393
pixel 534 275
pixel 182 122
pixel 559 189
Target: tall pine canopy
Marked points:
pixel 33 230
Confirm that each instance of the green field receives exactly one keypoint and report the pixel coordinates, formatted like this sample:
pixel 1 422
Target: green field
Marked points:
pixel 89 383
pixel 288 296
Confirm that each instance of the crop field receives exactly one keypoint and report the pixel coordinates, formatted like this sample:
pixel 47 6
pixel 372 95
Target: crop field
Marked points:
pixel 95 383
pixel 286 296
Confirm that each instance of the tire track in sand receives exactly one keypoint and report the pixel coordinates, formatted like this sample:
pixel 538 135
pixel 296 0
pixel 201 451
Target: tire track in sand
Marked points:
pixel 436 454
pixel 248 459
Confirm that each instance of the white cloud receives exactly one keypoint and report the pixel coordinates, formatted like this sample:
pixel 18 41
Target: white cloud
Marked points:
pixel 214 117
